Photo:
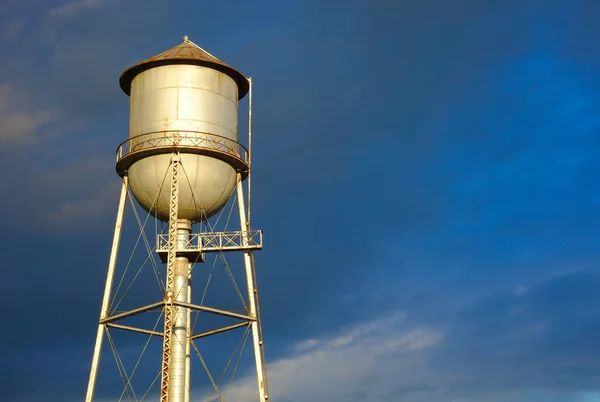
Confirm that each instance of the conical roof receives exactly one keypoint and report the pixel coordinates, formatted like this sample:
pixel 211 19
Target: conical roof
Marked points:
pixel 184 53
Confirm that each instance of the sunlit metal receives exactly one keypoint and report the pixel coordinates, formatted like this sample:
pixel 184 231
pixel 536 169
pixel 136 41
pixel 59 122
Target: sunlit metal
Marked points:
pixel 182 162
pixel 107 289
pixel 252 290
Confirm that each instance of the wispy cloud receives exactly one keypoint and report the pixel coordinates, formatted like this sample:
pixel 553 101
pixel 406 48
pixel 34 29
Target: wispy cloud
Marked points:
pixel 20 125
pixel 93 209
pixel 70 9
pixel 11 30
pixel 375 360
pixel 84 190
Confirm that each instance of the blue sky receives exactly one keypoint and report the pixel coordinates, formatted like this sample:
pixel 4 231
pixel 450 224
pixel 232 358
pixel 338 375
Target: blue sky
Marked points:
pixel 425 172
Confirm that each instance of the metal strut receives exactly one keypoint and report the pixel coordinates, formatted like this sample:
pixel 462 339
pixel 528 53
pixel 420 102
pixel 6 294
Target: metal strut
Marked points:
pixel 107 290
pixel 169 308
pixel 257 341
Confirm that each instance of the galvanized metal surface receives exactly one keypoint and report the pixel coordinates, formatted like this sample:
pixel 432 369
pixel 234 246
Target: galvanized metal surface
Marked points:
pixel 207 242
pixel 252 302
pixel 249 147
pixel 170 283
pixel 199 198
pixel 219 330
pixel 183 97
pixel 131 313
pixel 183 135
pixel 200 103
pixel 110 320
pixel 107 290
pixel 178 372
pixel 178 360
pixel 224 313
pixel 188 368
pixel 134 329
pixel 149 144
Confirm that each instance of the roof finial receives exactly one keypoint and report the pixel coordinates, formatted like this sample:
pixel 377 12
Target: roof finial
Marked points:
pixel 185 38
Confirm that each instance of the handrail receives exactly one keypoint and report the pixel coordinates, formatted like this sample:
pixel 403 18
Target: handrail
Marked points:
pixel 181 138
pixel 214 241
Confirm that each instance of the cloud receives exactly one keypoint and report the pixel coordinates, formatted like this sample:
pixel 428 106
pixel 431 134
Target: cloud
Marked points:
pixel 503 347
pixel 19 124
pixel 93 209
pixel 540 339
pixel 70 9
pixel 11 30
pixel 83 190
pixel 371 361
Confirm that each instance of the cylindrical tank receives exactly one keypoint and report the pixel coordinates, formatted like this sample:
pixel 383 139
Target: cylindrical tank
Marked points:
pixel 183 98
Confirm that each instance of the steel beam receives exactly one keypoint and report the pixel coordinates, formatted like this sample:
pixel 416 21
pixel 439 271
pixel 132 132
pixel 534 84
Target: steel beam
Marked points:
pixel 130 313
pixel 214 311
pixel 256 339
pixel 112 261
pixel 219 330
pixel 134 329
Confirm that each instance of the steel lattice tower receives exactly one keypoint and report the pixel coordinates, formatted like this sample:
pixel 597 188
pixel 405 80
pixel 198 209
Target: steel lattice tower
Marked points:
pixel 183 131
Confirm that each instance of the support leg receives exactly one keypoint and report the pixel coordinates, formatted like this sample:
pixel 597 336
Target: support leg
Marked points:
pixel 256 340
pixel 107 290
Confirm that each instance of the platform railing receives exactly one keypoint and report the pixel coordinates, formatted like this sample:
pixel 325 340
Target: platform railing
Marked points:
pixel 214 241
pixel 182 138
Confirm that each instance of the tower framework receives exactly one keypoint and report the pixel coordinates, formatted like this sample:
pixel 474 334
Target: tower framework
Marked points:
pixel 194 149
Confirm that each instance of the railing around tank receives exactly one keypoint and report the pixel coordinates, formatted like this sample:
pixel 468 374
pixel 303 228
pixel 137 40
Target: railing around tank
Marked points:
pixel 182 138
pixel 214 241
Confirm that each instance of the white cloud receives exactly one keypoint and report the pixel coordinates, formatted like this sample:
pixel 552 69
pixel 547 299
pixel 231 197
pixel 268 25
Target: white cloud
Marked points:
pixel 74 7
pixel 377 360
pixel 381 360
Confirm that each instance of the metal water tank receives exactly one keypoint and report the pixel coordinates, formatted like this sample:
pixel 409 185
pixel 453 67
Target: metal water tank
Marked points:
pixel 183 100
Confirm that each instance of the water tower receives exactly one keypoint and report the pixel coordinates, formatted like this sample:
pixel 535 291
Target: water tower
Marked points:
pixel 182 163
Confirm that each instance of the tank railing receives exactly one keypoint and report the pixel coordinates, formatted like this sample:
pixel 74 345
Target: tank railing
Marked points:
pixel 214 241
pixel 181 138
